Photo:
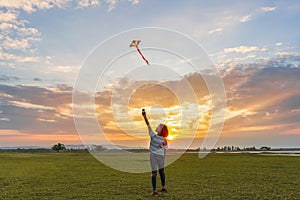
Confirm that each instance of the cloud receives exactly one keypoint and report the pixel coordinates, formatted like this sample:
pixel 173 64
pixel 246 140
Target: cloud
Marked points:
pixel 269 93
pixel 215 31
pixel 19 40
pixel 284 54
pixel 135 2
pixel 118 107
pixel 295 131
pixel 256 13
pixel 256 56
pixel 5 119
pixel 246 18
pixel 14 44
pixel 34 109
pixel 231 17
pixel 262 101
pixel 111 4
pixel 29 105
pixel 12 58
pixel 32 5
pixel 8 17
pixel 268 9
pixel 241 49
pixel 88 3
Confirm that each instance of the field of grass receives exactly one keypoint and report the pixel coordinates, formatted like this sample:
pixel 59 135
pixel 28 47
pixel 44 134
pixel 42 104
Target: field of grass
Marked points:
pixel 80 176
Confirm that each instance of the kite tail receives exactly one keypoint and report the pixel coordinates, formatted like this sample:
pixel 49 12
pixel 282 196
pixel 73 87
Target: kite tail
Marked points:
pixel 142 55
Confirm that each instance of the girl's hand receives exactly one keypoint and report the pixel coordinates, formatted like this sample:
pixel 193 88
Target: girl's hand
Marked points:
pixel 161 145
pixel 143 112
pixel 145 117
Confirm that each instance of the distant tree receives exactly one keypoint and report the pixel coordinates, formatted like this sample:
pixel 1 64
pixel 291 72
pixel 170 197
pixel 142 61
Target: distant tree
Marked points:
pixel 251 149
pixel 265 148
pixel 58 147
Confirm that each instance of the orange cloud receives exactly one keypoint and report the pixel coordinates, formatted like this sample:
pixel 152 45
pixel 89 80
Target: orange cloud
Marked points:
pixel 122 121
pixel 261 102
pixel 295 131
pixel 16 137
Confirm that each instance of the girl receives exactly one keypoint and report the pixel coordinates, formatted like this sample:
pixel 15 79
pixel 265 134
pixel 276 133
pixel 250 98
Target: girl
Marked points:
pixel 158 145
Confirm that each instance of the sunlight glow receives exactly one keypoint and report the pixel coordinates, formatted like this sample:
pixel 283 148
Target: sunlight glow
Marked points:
pixel 171 137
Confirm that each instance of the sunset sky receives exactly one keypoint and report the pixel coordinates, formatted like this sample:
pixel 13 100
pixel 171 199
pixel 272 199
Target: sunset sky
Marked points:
pixel 255 46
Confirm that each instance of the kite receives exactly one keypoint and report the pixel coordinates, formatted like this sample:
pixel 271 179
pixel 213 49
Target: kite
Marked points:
pixel 135 43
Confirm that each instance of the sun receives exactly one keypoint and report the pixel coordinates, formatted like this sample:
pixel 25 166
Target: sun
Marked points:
pixel 170 137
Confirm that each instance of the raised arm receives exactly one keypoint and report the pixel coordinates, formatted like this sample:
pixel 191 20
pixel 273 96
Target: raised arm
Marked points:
pixel 151 133
pixel 145 116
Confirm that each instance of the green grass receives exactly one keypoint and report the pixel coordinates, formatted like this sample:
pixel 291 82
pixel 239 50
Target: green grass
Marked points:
pixel 80 176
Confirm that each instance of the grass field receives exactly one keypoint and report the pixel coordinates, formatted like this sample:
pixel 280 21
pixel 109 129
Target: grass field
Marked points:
pixel 80 176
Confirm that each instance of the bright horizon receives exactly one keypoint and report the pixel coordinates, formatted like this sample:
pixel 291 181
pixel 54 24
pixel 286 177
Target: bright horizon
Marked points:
pixel 254 45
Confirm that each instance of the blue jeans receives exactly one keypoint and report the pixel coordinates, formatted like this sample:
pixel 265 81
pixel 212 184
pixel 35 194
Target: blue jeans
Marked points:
pixel 157 162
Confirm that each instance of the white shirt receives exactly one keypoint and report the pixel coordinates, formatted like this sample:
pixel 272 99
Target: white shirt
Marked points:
pixel 158 144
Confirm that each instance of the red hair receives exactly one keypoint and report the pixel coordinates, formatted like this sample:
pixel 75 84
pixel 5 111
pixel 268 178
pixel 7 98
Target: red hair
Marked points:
pixel 164 131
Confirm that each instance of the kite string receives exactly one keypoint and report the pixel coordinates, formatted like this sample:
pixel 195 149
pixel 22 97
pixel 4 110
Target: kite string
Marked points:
pixel 137 47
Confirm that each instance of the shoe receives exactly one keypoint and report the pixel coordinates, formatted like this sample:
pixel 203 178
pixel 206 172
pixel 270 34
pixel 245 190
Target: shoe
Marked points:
pixel 163 190
pixel 154 194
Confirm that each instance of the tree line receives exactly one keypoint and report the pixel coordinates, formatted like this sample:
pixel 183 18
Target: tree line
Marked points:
pixel 236 148
pixel 59 147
